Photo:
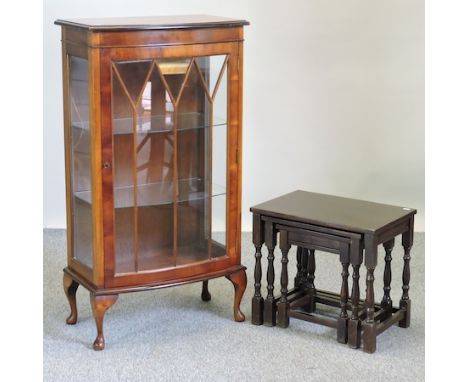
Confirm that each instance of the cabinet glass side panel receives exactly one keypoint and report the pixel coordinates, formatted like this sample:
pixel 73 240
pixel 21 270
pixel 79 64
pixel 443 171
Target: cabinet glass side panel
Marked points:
pixel 167 189
pixel 220 142
pixel 80 161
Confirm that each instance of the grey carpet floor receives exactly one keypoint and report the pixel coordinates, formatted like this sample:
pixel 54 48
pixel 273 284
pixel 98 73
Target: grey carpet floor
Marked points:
pixel 171 335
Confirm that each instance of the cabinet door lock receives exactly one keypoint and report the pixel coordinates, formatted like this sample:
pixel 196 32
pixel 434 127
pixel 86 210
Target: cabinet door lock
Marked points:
pixel 106 164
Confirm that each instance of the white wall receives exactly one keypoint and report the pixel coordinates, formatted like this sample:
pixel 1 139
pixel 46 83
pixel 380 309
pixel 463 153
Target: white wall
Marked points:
pixel 333 96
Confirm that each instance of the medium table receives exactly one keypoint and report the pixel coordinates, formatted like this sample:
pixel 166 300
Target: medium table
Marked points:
pixel 348 227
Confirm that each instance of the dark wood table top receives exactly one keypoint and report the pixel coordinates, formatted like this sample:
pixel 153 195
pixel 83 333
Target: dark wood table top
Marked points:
pixel 333 211
pixel 152 22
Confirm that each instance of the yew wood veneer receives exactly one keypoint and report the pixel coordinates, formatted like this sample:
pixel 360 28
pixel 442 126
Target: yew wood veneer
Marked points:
pixel 153 138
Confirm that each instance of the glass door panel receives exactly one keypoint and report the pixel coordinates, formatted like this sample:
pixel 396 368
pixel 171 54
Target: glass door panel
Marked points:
pixel 193 148
pixel 143 155
pixel 164 173
pixel 155 173
pixel 80 161
pixel 123 176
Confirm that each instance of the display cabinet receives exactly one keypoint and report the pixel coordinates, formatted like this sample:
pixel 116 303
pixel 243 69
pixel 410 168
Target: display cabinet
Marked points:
pixel 153 128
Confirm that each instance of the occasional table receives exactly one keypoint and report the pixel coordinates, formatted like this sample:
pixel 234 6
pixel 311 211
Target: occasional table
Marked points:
pixel 351 228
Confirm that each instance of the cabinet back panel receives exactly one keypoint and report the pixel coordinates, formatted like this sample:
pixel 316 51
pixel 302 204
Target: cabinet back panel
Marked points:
pixel 155 246
pixel 154 159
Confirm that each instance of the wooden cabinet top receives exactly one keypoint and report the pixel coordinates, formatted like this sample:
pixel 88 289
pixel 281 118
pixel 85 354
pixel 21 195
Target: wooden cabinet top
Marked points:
pixel 152 23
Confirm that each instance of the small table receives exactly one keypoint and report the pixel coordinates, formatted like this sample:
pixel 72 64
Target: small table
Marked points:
pixel 349 227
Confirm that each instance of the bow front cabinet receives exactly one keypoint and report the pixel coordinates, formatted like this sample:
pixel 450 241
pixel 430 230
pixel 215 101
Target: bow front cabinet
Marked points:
pixel 153 130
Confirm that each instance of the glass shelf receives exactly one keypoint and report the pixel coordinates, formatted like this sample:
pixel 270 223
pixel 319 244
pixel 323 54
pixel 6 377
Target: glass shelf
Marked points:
pixel 163 258
pixel 157 123
pixel 159 193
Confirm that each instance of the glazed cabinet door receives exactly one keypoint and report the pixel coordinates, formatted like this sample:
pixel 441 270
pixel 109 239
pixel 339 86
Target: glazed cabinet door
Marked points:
pixel 170 125
pixel 78 162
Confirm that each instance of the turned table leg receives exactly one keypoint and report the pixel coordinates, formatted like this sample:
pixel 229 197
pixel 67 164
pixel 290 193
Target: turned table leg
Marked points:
pixel 342 333
pixel 405 302
pixel 239 280
pixel 297 279
pixel 342 324
pixel 269 312
pixel 283 305
pixel 205 295
pixel 369 325
pixel 70 286
pixel 387 303
pixel 99 305
pixel 309 281
pixel 257 299
pixel 354 325
pixel 304 264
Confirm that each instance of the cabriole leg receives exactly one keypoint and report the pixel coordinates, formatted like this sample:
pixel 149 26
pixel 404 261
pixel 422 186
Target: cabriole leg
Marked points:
pixel 205 295
pixel 70 286
pixel 239 280
pixel 100 304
